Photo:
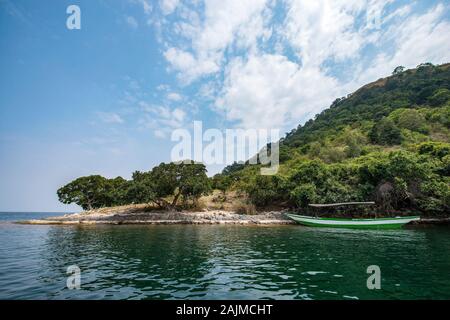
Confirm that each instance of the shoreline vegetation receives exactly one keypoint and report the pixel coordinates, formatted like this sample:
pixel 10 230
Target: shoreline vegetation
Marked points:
pixel 388 143
pixel 215 208
pixel 210 210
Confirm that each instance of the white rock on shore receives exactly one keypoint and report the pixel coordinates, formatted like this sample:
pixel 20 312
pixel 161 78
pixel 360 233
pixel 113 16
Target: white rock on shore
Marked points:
pixel 165 217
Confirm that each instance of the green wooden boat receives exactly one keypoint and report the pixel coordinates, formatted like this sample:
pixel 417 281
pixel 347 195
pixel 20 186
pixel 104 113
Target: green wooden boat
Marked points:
pixel 371 223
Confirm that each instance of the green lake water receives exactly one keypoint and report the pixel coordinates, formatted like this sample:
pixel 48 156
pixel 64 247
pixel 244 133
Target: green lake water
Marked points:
pixel 222 262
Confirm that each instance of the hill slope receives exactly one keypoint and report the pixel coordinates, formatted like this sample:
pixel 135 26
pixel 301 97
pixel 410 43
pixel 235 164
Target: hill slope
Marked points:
pixel 388 142
pixel 409 89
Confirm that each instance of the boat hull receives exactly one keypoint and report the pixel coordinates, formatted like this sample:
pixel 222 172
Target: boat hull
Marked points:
pixel 381 223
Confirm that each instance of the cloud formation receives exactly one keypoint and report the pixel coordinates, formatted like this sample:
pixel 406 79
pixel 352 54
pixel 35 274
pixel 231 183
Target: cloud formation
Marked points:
pixel 268 63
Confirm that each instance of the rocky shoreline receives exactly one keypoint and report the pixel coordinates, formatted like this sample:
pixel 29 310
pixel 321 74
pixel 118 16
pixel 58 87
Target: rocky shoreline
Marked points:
pixel 139 214
pixel 171 217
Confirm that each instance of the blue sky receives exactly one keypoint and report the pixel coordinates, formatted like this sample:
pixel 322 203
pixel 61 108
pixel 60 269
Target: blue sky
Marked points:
pixel 105 99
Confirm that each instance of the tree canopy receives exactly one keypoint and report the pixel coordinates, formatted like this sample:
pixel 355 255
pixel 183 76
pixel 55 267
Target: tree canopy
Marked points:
pixel 162 186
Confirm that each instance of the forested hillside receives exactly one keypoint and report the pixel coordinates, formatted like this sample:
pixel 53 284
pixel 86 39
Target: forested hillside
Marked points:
pixel 387 142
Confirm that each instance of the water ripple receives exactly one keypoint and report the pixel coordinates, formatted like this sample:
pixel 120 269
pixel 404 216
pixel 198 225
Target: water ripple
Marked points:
pixel 221 262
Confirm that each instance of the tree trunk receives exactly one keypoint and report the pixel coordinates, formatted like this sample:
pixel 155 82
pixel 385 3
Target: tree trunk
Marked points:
pixel 161 203
pixel 175 200
pixel 89 205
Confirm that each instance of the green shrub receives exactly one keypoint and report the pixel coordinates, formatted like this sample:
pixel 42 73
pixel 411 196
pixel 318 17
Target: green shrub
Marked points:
pixel 436 149
pixel 440 97
pixel 385 132
pixel 303 195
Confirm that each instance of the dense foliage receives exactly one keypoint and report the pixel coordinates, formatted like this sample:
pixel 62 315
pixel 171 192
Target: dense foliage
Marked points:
pixel 91 192
pixel 163 186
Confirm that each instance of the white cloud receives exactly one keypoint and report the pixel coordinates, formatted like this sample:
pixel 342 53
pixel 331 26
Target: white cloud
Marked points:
pixel 207 91
pixel 269 91
pixel 132 22
pixel 178 115
pixel 146 6
pixel 225 23
pixel 223 19
pixel 189 67
pixel 161 119
pixel 375 13
pixel 320 30
pixel 109 117
pixel 418 39
pixel 173 96
pixel 168 6
pixel 277 65
pixel 162 87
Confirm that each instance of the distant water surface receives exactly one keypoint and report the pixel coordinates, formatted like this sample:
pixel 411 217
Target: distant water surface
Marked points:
pixel 17 216
pixel 220 262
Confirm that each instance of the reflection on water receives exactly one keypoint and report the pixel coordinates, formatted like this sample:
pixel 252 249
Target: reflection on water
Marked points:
pixel 222 262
